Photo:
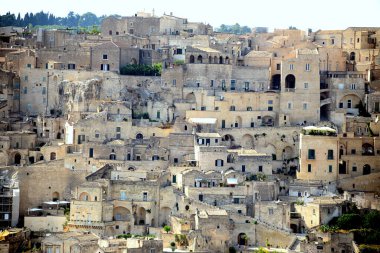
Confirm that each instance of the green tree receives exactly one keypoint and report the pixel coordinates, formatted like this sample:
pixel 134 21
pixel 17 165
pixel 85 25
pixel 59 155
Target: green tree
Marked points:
pixel 349 221
pixel 372 220
pixel 167 228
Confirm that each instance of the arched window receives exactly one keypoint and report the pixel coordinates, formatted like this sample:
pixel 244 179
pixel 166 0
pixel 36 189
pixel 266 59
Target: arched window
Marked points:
pixel 139 136
pixel 192 59
pixel 199 59
pixel 352 56
pixel 290 82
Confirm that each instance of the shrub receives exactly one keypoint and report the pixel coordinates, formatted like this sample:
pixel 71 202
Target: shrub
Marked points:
pixel 141 70
pixel 349 221
pixel 231 250
pixel 167 228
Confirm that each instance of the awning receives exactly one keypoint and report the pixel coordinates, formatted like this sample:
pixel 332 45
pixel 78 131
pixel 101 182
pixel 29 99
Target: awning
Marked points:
pixel 203 120
pixel 232 181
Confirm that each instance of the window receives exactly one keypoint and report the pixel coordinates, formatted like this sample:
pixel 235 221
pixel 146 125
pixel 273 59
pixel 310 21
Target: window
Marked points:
pixel 158 115
pixel 332 41
pixel 145 196
pixel 311 154
pixel 219 163
pixel 330 154
pixel 354 168
pixel 212 83
pixel 97 135
pixel 223 84
pixel 25 78
pixel 43 90
pixel 307 67
pixel 246 86
pixel 105 57
pixel 278 66
pixel 174 82
pixel 49 250
pixel 353 151
pixel 313 211
pixel 304 106
pixel 71 66
pixel 203 108
pixel 306 86
pixel 25 90
pixel 309 168
pixel 291 66
pixel 233 84
pixel 349 103
pixel 152 251
pixel 270 102
pixel 290 105
pixel 330 168
pixel 353 86
pixel 236 200
pixel 260 168
pixel 341 105
pixel 243 168
pixel 118 129
pixel 270 108
pixel 270 211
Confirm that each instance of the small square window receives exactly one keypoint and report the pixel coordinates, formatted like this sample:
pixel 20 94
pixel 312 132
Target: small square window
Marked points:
pixel 105 57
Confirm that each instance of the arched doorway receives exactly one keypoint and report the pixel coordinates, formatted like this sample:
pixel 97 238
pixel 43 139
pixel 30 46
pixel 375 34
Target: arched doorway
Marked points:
pixel 192 59
pixel 366 169
pixel 199 59
pixel 290 82
pixel 17 159
pixel 140 216
pixel 352 56
pixel 276 82
pixel 242 239
pixel 53 156
pixel 238 121
pixel 229 139
pixel 221 60
pixel 247 141
pixel 139 136
pixel 164 215
pixel 227 61
pixel 55 196
pixel 287 153
pixel 58 135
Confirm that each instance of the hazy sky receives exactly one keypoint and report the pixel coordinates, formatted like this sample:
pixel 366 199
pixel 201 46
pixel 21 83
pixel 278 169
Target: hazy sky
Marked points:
pixel 317 14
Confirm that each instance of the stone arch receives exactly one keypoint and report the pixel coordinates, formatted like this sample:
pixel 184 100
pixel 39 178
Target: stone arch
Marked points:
pixel 53 156
pixel 55 196
pixel 349 101
pixel 139 136
pixel 242 239
pixel 367 149
pixel 165 215
pixel 17 158
pixel 221 60
pixel 270 149
pixel 247 141
pixel 192 59
pixel 84 196
pixel 268 121
pixel 191 98
pixel 287 153
pixel 229 139
pixel 121 214
pixel 290 82
pixel 140 216
pixel 199 59
pixel 238 122
pixel 210 59
pixel 366 169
